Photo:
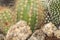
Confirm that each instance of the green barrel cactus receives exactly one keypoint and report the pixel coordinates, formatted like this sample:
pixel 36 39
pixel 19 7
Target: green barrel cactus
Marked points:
pixel 30 11
pixel 54 12
pixel 7 18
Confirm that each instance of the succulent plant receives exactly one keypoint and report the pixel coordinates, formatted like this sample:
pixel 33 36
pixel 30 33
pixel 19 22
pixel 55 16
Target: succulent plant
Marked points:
pixel 54 12
pixel 7 18
pixel 30 11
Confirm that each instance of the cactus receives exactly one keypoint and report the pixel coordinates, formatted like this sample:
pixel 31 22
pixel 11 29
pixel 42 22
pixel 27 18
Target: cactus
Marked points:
pixel 30 11
pixel 54 12
pixel 7 18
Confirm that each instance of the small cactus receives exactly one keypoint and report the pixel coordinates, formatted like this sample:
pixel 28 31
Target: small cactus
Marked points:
pixel 54 12
pixel 7 17
pixel 31 11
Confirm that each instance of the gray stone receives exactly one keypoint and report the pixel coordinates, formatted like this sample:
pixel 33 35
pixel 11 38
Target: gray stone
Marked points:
pixel 19 31
pixel 49 29
pixel 37 35
pixel 2 37
pixel 57 33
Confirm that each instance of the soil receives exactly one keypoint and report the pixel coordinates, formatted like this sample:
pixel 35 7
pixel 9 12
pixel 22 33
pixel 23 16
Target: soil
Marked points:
pixel 52 38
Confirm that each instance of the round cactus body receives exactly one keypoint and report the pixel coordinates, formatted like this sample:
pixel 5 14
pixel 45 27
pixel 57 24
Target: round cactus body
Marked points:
pixel 30 11
pixel 7 18
pixel 54 12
